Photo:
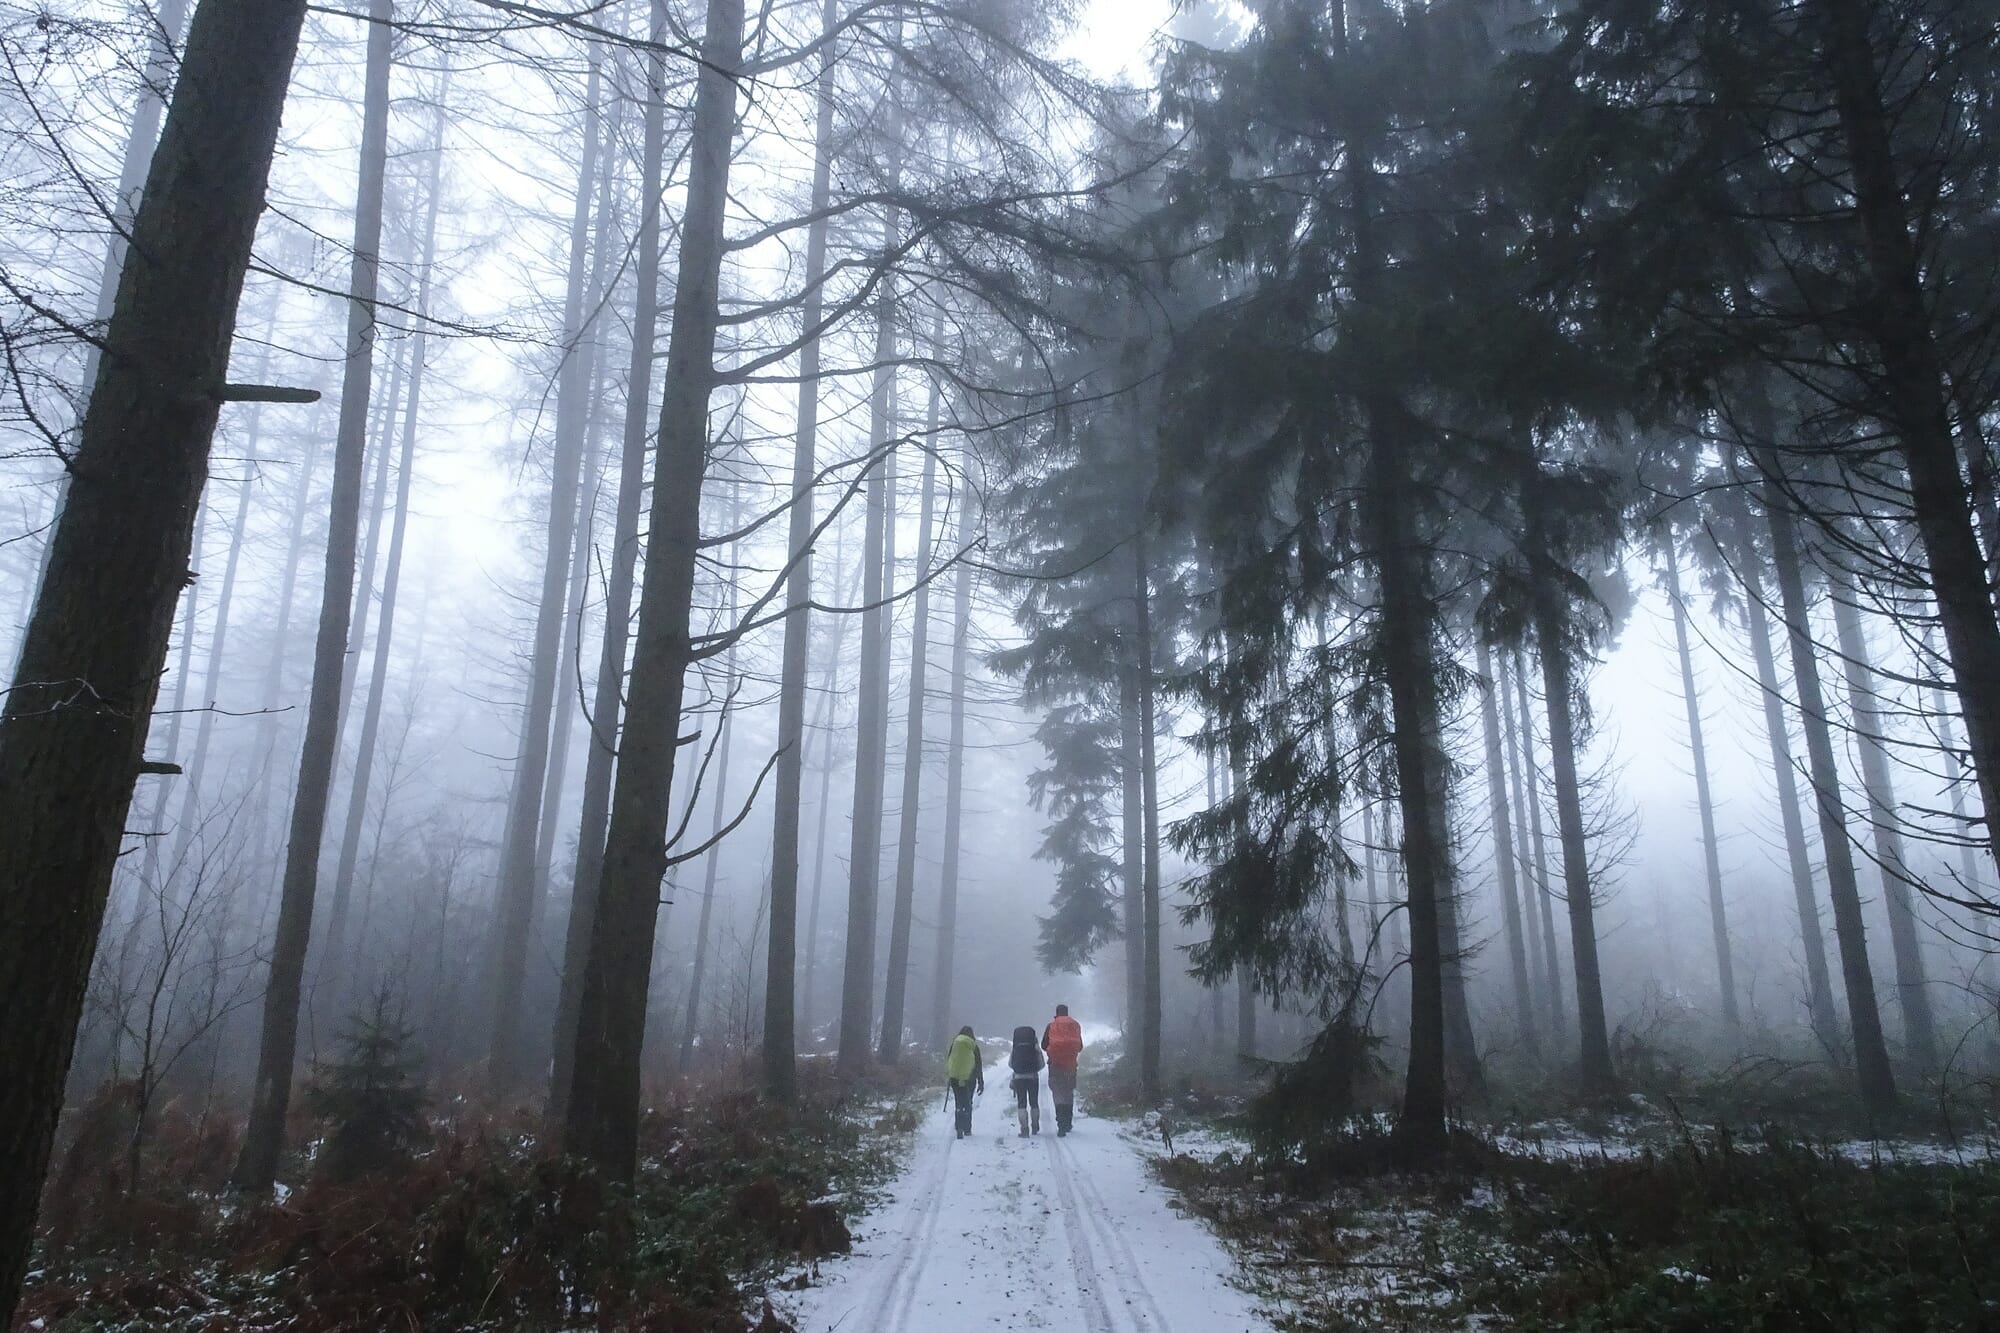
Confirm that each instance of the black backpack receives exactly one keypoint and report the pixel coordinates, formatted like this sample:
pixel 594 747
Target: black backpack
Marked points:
pixel 1027 1054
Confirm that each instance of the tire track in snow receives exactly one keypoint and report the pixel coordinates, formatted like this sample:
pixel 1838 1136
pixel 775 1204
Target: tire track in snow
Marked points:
pixel 889 1309
pixel 1094 1214
pixel 1089 1281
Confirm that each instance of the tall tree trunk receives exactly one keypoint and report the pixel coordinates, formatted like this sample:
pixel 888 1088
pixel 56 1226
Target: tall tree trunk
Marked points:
pixel 264 1134
pixel 517 892
pixel 1912 988
pixel 607 696
pixel 1595 1050
pixel 954 784
pixel 1461 1047
pixel 375 506
pixel 153 876
pixel 1503 857
pixel 896 990
pixel 281 636
pixel 1819 986
pixel 601 1118
pixel 378 680
pixel 1406 617
pixel 691 1017
pixel 1132 840
pixel 1725 966
pixel 1912 380
pixel 1970 880
pixel 1539 973
pixel 1871 1053
pixel 864 867
pixel 780 1047
pixel 154 86
pixel 1150 1016
pixel 569 685
pixel 218 645
pixel 1530 781
pixel 830 673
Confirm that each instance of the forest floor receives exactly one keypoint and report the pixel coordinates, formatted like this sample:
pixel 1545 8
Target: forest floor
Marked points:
pixel 477 1230
pixel 1071 1235
pixel 1630 1221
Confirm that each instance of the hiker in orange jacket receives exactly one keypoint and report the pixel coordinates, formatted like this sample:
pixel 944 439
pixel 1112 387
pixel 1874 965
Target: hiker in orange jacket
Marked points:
pixel 1062 1041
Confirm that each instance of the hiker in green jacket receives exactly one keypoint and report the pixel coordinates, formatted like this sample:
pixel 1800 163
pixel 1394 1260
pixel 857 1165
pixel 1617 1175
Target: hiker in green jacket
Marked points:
pixel 964 1073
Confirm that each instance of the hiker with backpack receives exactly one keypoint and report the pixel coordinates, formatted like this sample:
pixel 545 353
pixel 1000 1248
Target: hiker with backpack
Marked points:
pixel 1026 1062
pixel 1062 1039
pixel 964 1071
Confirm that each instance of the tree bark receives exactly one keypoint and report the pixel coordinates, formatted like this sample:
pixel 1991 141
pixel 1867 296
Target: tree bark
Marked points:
pixel 1912 379
pixel 857 985
pixel 808 991
pixel 780 1046
pixel 954 784
pixel 1406 615
pixel 895 991
pixel 1503 858
pixel 607 696
pixel 1725 966
pixel 1912 987
pixel 1819 986
pixel 378 680
pixel 1871 1053
pixel 1595 1050
pixel 1529 780
pixel 601 1119
pixel 691 1017
pixel 264 1134
pixel 1132 839
pixel 516 890
pixel 1149 794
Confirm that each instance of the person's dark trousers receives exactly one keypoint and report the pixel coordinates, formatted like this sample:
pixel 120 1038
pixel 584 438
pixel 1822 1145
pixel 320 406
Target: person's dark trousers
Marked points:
pixel 961 1094
pixel 1062 1091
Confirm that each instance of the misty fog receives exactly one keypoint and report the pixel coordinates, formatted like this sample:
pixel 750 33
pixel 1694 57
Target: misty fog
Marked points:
pixel 1304 533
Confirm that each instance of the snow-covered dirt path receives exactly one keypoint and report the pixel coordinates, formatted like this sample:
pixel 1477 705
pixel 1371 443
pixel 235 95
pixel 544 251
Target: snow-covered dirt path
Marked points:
pixel 1071 1235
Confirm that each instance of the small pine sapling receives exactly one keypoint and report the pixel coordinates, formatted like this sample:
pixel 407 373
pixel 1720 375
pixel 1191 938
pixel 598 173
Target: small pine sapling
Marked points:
pixel 369 1096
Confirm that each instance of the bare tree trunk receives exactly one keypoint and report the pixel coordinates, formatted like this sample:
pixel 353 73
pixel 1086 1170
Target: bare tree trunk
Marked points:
pixel 691 1018
pixel 780 1048
pixel 1912 987
pixel 517 891
pixel 1503 857
pixel 264 1135
pixel 1149 988
pixel 1725 966
pixel 281 636
pixel 1407 614
pixel 607 696
pixel 954 784
pixel 1529 780
pixel 1871 1053
pixel 1595 1050
pixel 1819 987
pixel 896 991
pixel 601 1120
pixel 825 725
pixel 583 542
pixel 378 681
pixel 1132 839
pixel 857 987
pixel 169 18
pixel 1971 881
pixel 1912 380
pixel 218 643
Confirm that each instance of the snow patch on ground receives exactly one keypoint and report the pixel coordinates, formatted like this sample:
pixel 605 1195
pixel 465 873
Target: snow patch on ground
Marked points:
pixel 1070 1235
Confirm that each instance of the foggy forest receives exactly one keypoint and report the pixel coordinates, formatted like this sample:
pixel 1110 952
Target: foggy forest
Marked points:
pixel 599 597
